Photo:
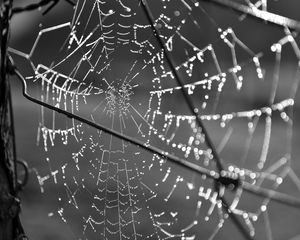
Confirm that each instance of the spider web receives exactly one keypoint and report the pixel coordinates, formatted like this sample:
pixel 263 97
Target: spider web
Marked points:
pixel 106 65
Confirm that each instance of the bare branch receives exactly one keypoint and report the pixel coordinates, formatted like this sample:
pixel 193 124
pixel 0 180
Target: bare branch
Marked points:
pixel 42 3
pixel 258 14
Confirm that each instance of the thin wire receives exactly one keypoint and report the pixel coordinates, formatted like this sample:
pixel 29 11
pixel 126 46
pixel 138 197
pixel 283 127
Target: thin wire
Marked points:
pixel 192 108
pixel 189 102
pixel 256 190
pixel 282 198
pixel 282 22
pixel 271 194
pixel 191 166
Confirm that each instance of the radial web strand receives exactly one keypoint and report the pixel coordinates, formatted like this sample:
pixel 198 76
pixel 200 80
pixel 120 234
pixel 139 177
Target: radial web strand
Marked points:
pixel 103 62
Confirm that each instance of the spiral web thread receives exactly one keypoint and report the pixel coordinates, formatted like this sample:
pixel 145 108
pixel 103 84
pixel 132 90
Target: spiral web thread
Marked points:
pixel 109 68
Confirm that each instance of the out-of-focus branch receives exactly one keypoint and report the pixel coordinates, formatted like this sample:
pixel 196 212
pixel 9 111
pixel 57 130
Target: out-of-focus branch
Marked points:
pixel 41 3
pixel 10 225
pixel 258 14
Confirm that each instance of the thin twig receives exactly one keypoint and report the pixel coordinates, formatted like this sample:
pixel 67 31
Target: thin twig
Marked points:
pixel 225 181
pixel 191 166
pixel 258 14
pixel 42 3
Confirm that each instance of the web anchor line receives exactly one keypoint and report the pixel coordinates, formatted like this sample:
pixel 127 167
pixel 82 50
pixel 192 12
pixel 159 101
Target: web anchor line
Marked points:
pixel 226 178
pixel 223 179
pixel 189 102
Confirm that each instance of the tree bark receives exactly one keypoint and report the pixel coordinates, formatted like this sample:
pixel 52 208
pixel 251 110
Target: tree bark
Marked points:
pixel 9 204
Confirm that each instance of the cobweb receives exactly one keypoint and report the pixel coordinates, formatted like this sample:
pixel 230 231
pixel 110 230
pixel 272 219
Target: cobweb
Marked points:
pixel 104 63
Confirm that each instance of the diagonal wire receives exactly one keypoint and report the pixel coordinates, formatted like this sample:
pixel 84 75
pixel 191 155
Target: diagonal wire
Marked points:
pixel 282 198
pixel 188 100
pixel 256 190
pixel 192 108
pixel 191 166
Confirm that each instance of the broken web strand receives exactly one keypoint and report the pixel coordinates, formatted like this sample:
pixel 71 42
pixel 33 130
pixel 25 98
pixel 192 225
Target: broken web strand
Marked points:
pixel 162 228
